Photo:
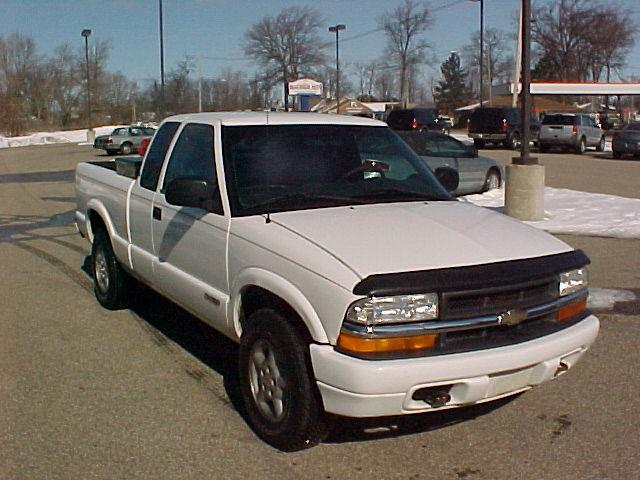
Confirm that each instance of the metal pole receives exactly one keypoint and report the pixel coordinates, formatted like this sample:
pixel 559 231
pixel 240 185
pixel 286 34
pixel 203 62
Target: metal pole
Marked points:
pixel 337 71
pixel 199 82
pixel 518 62
pixel 481 46
pixel 525 110
pixel 86 51
pixel 161 61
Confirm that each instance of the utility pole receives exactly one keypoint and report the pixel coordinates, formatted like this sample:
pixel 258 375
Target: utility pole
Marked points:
pixel 481 46
pixel 199 82
pixel 336 29
pixel 518 65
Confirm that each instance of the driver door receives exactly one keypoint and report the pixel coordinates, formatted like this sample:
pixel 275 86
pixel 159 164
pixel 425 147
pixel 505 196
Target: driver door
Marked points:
pixel 190 243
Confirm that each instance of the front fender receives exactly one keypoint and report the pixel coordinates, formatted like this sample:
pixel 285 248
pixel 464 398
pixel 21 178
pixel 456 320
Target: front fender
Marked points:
pixel 282 288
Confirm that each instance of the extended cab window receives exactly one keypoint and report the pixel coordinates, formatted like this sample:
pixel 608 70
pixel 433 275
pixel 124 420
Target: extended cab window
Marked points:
pixel 155 155
pixel 193 157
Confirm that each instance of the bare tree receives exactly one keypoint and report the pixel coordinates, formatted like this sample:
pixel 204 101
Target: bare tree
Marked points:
pixel 65 80
pixel 497 64
pixel 365 74
pixel 287 46
pixel 403 28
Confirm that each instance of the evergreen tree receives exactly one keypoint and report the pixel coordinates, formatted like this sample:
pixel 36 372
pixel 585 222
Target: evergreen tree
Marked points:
pixel 452 91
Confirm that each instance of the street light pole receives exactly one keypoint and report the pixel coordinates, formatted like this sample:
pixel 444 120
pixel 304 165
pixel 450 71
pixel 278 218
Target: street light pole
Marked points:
pixel 161 59
pixel 85 33
pixel 336 29
pixel 481 46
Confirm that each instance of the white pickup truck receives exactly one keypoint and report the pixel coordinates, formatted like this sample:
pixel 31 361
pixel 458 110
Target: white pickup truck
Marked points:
pixel 353 282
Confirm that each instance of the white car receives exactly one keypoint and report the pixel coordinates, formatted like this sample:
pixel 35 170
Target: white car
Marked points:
pixel 353 282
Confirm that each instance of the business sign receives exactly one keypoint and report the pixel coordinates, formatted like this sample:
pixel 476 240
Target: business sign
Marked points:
pixel 305 86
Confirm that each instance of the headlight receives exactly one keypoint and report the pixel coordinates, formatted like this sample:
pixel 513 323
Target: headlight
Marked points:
pixel 395 309
pixel 573 281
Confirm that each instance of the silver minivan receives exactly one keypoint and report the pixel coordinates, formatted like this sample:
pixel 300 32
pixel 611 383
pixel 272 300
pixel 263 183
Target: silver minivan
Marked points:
pixel 576 131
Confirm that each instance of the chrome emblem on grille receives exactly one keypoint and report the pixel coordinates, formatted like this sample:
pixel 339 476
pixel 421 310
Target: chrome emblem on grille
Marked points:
pixel 512 317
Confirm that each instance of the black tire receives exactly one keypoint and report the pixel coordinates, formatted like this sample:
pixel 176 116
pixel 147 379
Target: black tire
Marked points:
pixel 601 145
pixel 617 154
pixel 478 143
pixel 542 148
pixel 274 364
pixel 126 148
pixel 582 146
pixel 111 152
pixel 513 143
pixel 111 284
pixel 492 180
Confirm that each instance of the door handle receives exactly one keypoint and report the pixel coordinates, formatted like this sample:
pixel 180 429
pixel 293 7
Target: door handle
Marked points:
pixel 157 213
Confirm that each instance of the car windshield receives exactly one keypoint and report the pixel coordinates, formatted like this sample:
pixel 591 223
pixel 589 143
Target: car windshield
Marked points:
pixel 558 120
pixel 295 167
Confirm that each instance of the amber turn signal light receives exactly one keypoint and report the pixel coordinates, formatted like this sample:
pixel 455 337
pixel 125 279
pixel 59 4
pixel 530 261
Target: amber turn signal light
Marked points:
pixel 571 310
pixel 356 344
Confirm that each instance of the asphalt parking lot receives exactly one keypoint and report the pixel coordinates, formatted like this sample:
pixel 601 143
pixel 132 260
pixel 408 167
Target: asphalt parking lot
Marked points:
pixel 150 392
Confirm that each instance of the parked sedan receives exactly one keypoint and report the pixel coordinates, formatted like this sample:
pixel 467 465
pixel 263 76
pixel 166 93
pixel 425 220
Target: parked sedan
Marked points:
pixel 124 140
pixel 627 141
pixel 477 174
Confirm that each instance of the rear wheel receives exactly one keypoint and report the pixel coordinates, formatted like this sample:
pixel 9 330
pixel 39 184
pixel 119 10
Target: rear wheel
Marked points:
pixel 513 142
pixel 279 392
pixel 111 284
pixel 582 146
pixel 126 148
pixel 601 145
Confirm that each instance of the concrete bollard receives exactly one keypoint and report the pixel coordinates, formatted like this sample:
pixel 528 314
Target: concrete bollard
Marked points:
pixel 91 136
pixel 524 192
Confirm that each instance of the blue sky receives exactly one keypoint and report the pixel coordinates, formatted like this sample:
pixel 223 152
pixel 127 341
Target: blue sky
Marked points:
pixel 216 28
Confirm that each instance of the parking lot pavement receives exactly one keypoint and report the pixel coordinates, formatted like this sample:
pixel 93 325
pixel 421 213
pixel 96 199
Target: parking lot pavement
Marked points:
pixel 149 392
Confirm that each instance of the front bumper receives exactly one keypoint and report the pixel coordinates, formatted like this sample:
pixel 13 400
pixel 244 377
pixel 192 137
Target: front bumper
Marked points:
pixel 488 136
pixel 371 388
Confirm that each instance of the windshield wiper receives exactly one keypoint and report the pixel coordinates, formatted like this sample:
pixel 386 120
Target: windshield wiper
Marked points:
pixel 396 193
pixel 284 200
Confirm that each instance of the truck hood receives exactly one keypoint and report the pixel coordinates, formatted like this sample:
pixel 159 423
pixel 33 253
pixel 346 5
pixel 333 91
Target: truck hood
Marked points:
pixel 400 237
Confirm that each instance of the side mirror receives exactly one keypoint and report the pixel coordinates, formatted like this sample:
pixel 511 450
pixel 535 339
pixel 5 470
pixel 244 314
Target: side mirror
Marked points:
pixel 448 178
pixel 193 192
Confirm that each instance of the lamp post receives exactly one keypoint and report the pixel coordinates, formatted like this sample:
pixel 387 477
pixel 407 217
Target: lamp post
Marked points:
pixel 481 45
pixel 161 58
pixel 85 33
pixel 336 29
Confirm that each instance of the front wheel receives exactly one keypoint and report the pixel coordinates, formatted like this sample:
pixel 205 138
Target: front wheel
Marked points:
pixel 582 146
pixel 126 148
pixel 279 392
pixel 600 146
pixel 111 283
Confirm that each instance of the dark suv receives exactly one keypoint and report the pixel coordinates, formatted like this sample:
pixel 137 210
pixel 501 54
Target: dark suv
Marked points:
pixel 498 126
pixel 414 119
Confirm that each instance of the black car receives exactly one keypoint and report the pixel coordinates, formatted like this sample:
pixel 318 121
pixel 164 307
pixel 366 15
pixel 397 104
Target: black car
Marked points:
pixel 498 125
pixel 627 141
pixel 414 119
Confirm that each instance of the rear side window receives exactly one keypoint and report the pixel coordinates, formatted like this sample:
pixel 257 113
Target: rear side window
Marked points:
pixel 155 155
pixel 559 120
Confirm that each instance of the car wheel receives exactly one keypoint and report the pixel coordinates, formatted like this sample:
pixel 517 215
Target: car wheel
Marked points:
pixel 617 154
pixel 601 145
pixel 277 386
pixel 111 284
pixel 478 143
pixel 111 152
pixel 582 146
pixel 126 148
pixel 514 141
pixel 543 148
pixel 492 181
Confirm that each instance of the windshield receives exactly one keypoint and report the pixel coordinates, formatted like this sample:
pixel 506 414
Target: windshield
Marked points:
pixel 295 167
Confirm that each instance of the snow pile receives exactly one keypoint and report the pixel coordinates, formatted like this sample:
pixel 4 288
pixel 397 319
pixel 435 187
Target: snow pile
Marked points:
pixel 577 213
pixel 45 138
pixel 606 298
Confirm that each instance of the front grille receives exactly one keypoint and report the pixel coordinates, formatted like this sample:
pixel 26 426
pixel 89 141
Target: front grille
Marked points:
pixel 493 301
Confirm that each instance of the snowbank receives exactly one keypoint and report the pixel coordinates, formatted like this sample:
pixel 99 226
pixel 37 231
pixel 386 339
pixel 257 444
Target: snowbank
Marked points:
pixel 577 213
pixel 45 138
